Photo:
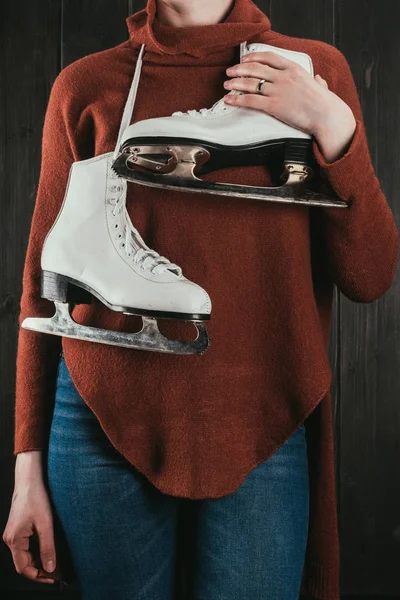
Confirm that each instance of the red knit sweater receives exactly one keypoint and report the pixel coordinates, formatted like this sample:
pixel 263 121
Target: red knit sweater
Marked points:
pixel 196 425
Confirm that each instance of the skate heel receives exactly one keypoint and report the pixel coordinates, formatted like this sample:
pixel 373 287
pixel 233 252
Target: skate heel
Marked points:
pixel 57 288
pixel 297 161
pixel 298 151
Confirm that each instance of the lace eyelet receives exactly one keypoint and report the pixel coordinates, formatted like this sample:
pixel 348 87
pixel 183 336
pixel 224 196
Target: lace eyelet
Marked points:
pixel 116 226
pixel 122 245
pixel 119 236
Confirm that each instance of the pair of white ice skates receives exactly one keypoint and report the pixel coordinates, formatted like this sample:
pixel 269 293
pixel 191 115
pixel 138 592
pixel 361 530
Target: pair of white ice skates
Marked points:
pixel 93 249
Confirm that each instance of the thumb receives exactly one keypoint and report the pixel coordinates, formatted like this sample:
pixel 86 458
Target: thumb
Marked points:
pixel 45 533
pixel 321 81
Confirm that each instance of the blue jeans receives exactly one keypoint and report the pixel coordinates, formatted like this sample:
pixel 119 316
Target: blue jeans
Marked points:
pixel 122 531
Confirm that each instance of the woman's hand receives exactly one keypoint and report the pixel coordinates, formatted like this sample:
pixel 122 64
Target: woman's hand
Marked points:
pixel 293 96
pixel 30 514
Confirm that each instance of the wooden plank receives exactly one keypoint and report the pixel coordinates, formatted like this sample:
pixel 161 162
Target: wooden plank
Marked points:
pixel 265 6
pixel 312 19
pixel 91 26
pixel 29 62
pixel 136 5
pixel 370 358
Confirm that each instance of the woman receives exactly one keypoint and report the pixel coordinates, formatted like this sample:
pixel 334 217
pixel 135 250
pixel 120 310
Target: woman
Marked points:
pixel 135 433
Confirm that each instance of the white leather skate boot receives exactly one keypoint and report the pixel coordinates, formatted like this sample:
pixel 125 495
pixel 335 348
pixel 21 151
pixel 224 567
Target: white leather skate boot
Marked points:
pixel 171 151
pixel 93 249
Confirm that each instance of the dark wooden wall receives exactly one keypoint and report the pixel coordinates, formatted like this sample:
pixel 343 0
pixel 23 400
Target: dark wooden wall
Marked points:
pixel 38 38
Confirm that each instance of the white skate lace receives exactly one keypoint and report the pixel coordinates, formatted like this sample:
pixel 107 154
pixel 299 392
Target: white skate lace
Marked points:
pixel 148 258
pixel 219 107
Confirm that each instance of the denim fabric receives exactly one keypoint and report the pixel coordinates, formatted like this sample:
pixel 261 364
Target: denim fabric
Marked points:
pixel 123 532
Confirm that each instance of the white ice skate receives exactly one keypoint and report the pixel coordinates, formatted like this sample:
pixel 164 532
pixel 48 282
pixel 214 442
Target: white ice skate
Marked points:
pixel 170 152
pixel 93 250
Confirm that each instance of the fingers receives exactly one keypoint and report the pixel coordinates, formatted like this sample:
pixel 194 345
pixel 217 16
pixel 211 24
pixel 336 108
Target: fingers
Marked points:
pixel 247 84
pixel 255 70
pixel 18 539
pixel 23 560
pixel 257 101
pixel 45 532
pixel 268 58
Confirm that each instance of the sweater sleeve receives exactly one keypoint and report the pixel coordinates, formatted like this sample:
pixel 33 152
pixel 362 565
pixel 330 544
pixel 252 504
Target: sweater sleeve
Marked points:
pixel 63 142
pixel 361 241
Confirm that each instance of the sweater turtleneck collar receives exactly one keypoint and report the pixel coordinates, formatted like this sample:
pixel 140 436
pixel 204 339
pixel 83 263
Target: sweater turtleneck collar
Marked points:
pixel 244 22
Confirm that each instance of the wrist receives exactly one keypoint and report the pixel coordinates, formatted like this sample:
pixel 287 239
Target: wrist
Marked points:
pixel 334 136
pixel 28 465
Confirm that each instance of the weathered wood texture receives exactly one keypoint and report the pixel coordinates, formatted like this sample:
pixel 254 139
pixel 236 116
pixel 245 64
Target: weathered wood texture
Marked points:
pixel 367 33
pixel 37 39
pixel 29 62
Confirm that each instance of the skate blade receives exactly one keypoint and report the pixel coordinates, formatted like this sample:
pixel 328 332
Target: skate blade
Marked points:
pixel 148 338
pixel 188 182
pixel 287 193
